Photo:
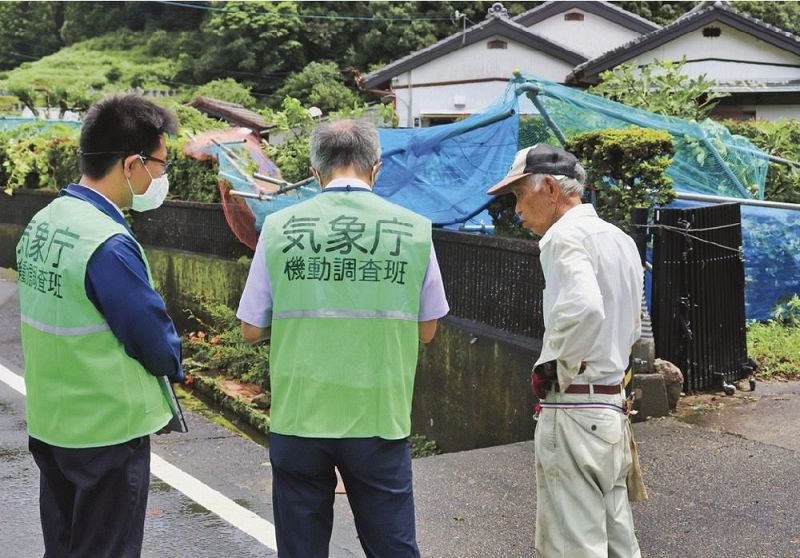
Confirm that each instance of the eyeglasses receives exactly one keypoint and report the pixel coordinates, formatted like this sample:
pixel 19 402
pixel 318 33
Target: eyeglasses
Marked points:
pixel 142 155
pixel 167 165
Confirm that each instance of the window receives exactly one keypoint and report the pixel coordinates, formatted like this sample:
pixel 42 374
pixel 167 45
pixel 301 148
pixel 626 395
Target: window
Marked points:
pixel 497 43
pixel 712 31
pixel 573 16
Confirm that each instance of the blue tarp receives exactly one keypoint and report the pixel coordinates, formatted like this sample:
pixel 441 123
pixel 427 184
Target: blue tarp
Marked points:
pixel 443 172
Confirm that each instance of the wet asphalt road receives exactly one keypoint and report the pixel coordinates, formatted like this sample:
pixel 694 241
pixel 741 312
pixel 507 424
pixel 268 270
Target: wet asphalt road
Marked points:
pixel 724 490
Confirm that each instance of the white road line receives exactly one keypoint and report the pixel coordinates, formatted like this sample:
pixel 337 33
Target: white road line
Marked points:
pixel 15 381
pixel 243 519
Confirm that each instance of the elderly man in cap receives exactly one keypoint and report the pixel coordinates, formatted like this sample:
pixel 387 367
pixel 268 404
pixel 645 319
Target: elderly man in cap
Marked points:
pixel 592 306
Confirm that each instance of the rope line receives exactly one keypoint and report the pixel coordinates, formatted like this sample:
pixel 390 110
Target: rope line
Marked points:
pixel 409 19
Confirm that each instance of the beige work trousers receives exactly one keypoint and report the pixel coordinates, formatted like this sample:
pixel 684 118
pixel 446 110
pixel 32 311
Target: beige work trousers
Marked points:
pixel 582 459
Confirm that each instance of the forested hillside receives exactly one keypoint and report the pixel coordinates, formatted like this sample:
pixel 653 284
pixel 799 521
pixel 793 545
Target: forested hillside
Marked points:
pixel 68 53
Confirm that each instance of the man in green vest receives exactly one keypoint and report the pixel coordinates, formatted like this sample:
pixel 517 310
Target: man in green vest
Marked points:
pixel 95 334
pixel 346 285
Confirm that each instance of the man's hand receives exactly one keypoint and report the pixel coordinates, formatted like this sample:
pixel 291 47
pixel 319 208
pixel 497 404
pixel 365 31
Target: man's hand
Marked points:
pixel 543 378
pixel 164 430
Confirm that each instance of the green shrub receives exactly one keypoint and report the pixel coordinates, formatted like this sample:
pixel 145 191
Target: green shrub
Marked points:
pixel 422 447
pixel 782 139
pixel 218 345
pixel 660 87
pixel 190 179
pixel 627 167
pixel 775 348
pixel 788 313
pixel 37 156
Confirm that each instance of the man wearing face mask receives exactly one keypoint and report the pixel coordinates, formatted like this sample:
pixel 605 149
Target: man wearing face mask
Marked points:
pixel 95 334
pixel 346 285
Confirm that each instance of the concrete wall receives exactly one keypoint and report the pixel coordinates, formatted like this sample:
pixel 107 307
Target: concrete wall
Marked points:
pixel 9 236
pixel 472 387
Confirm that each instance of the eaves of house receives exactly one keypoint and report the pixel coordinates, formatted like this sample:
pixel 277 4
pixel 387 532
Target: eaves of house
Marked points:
pixel 606 10
pixel 494 25
pixel 718 12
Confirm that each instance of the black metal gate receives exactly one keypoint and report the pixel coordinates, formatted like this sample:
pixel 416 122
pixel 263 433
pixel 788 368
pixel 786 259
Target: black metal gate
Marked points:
pixel 698 294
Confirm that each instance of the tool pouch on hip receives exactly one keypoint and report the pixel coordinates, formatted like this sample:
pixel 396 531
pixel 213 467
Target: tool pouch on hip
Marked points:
pixel 637 492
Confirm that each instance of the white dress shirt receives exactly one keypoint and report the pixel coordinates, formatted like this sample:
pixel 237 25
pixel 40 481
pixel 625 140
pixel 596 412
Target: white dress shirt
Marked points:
pixel 592 300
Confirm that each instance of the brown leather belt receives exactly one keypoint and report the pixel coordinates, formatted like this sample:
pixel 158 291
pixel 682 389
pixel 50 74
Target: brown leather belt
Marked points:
pixel 584 388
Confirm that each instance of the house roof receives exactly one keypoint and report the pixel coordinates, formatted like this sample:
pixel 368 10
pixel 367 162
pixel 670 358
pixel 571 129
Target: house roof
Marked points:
pixel 606 10
pixel 492 25
pixel 716 12
pixel 231 112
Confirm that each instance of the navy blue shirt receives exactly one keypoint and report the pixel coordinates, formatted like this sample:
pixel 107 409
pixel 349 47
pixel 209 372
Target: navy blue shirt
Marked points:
pixel 116 283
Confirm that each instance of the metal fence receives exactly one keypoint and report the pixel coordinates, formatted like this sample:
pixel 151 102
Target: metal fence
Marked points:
pixel 497 281
pixel 190 226
pixel 23 205
pixel 698 294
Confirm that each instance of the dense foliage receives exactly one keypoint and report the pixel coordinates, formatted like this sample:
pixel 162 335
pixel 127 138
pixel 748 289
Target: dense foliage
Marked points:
pixel 775 348
pixel 782 139
pixel 38 156
pixel 43 156
pixel 259 44
pixel 320 84
pixel 627 169
pixel 294 123
pixel 217 345
pixel 660 87
pixel 74 77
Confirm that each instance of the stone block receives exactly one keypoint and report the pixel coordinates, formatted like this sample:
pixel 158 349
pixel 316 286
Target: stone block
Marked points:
pixel 651 396
pixel 673 380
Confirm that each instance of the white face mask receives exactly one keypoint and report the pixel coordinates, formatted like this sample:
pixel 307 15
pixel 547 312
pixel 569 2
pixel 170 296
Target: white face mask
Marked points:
pixel 154 196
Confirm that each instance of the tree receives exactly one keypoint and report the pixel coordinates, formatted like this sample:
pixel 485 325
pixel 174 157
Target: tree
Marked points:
pixel 627 168
pixel 319 84
pixel 785 15
pixel 255 42
pixel 29 31
pixel 83 20
pixel 660 87
pixel 661 13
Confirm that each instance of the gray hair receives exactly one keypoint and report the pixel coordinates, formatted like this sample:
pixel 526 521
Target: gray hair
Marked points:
pixel 568 186
pixel 342 143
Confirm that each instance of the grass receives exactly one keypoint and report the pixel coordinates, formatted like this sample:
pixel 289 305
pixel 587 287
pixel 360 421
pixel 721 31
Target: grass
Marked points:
pixel 776 350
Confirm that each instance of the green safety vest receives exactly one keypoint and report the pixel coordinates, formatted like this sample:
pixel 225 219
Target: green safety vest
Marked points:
pixel 346 268
pixel 83 389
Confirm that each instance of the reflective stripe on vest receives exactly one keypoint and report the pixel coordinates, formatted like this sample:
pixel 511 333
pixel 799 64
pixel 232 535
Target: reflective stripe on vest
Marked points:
pixel 387 314
pixel 67 331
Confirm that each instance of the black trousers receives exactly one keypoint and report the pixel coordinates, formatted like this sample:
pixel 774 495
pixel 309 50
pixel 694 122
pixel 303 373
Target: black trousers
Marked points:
pixel 377 476
pixel 92 501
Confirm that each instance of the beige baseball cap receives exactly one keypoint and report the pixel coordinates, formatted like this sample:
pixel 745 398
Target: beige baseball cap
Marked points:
pixel 539 159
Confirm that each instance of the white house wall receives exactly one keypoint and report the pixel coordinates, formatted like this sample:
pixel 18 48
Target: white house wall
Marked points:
pixel 591 37
pixel 476 61
pixel 731 56
pixel 432 94
pixel 776 112
pixel 446 99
